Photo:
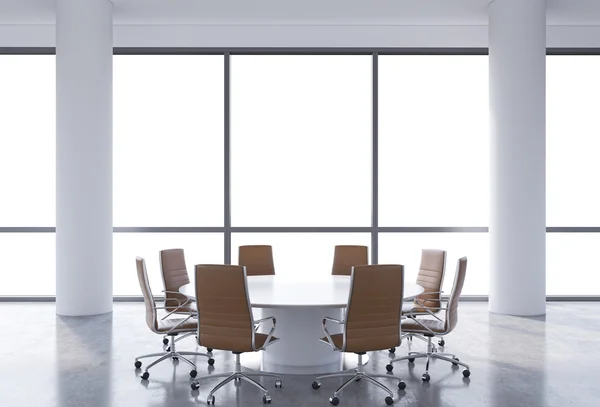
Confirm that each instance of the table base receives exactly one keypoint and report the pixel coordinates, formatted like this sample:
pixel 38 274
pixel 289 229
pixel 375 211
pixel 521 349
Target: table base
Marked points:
pixel 254 361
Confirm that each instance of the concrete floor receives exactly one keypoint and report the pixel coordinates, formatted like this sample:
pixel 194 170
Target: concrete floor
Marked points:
pixel 47 360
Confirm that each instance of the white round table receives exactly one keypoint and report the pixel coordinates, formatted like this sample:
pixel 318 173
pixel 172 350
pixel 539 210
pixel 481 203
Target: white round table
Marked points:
pixel 299 304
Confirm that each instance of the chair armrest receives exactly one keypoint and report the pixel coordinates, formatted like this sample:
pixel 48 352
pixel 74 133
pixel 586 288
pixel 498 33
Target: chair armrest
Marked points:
pixel 179 304
pixel 326 331
pixel 427 309
pixel 269 335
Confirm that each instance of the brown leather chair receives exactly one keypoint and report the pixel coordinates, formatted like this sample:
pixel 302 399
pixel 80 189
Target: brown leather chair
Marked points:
pixel 258 260
pixel 345 257
pixel 174 275
pixel 227 323
pixel 431 278
pixel 436 327
pixel 372 322
pixel 166 326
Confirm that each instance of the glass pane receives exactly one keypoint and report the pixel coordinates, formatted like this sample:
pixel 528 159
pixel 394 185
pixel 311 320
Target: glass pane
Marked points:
pixel 572 166
pixel 27 140
pixel 433 140
pixel 405 248
pixel 303 254
pixel 301 129
pixel 28 264
pixel 571 267
pixel 199 248
pixel 168 140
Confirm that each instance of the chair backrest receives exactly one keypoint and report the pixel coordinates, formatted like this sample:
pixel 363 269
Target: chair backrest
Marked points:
pixel 459 281
pixel 174 275
pixel 258 260
pixel 149 302
pixel 346 257
pixel 431 277
pixel 224 313
pixel 374 308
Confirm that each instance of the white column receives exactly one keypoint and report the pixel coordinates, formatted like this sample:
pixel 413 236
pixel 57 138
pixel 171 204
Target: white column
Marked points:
pixel 84 157
pixel 517 61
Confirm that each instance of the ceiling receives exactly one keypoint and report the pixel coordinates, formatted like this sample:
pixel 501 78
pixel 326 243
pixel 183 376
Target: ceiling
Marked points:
pixel 351 12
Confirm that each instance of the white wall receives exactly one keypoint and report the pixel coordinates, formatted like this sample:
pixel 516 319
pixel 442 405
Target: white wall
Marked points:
pixel 43 35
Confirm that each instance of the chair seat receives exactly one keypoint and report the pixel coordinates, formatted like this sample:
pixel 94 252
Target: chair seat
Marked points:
pixel 164 325
pixel 190 307
pixel 259 340
pixel 338 340
pixel 412 326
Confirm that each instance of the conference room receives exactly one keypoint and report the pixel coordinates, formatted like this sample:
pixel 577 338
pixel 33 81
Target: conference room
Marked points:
pixel 299 204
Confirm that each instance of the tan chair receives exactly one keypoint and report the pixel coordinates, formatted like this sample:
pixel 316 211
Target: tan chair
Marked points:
pixel 345 257
pixel 226 322
pixel 372 322
pixel 174 275
pixel 169 326
pixel 431 278
pixel 258 260
pixel 437 327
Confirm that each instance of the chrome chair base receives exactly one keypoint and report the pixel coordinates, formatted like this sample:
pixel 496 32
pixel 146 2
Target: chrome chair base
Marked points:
pixel 356 375
pixel 237 376
pixel 172 353
pixel 429 355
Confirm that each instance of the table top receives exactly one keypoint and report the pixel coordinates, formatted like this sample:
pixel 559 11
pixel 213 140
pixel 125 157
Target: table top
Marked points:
pixel 277 291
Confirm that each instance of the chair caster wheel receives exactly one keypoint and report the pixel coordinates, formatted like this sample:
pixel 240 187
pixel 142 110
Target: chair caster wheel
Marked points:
pixel 145 376
pixel 278 384
pixel 168 349
pixel 211 361
pixel 389 401
pixel 166 341
pixel 358 379
pixel 334 400
pixel 441 342
pixel 316 385
pixel 266 399
pixel 455 364
pixel 137 364
pixel 210 401
pixel 193 373
pixel 466 373
pixel 401 385
pixel 426 377
pixel 392 350
pixel 195 386
pixel 389 367
pixel 209 350
pixel 411 360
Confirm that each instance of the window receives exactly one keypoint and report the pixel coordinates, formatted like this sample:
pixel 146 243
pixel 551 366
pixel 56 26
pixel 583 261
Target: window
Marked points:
pixel 199 248
pixel 168 140
pixel 301 130
pixel 300 254
pixel 433 140
pixel 27 140
pixel 405 249
pixel 572 145
pixel 571 264
pixel 28 264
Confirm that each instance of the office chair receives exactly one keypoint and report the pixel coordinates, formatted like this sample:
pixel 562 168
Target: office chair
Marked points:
pixel 226 323
pixel 372 323
pixel 346 257
pixel 169 326
pixel 258 260
pixel 437 327
pixel 431 278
